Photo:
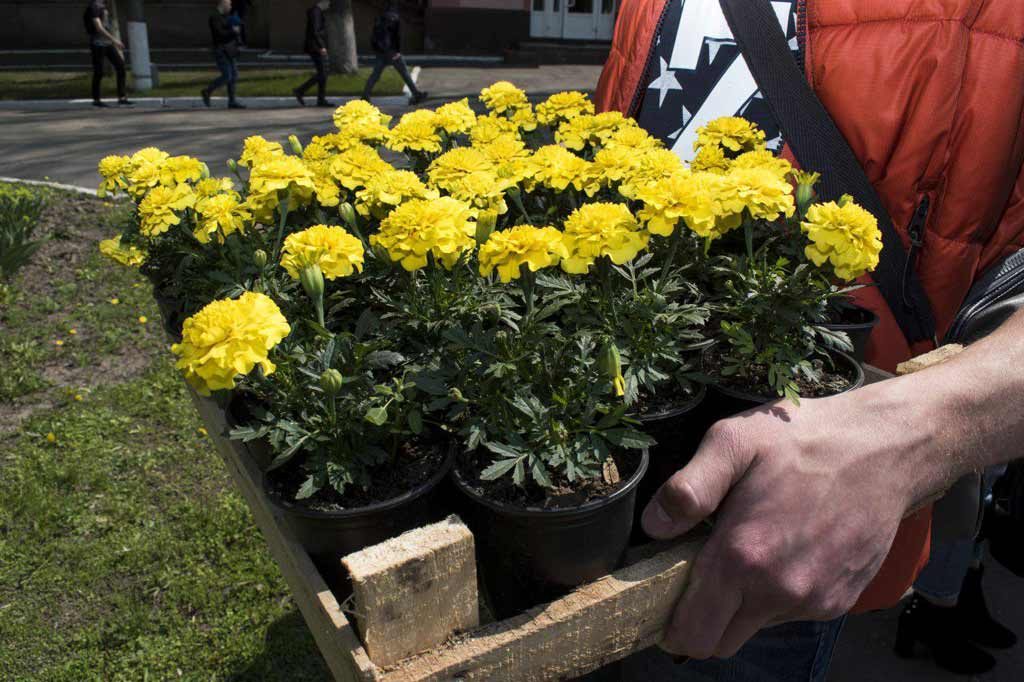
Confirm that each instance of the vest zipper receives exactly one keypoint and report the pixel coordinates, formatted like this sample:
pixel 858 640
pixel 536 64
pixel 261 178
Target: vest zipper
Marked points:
pixel 916 232
pixel 634 104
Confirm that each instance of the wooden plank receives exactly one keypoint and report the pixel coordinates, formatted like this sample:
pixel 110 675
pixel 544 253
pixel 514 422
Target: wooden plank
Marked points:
pixel 341 649
pixel 598 623
pixel 872 374
pixel 935 357
pixel 414 591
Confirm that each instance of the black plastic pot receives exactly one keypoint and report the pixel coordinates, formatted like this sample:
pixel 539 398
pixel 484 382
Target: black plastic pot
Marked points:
pixel 724 401
pixel 678 432
pixel 328 536
pixel 530 556
pixel 858 323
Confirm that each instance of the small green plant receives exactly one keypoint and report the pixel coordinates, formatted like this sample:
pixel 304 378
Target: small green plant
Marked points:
pixel 20 208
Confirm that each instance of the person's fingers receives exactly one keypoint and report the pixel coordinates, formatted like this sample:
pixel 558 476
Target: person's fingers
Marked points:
pixel 745 624
pixel 701 616
pixel 696 491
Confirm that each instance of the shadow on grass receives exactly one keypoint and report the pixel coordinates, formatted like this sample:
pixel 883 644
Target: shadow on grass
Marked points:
pixel 289 653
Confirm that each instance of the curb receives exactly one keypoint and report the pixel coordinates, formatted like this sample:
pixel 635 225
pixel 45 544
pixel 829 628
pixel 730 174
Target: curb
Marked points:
pixel 54 185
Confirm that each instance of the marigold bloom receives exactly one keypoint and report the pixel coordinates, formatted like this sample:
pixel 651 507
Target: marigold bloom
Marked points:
pixel 227 339
pixel 649 166
pixel 256 148
pixel 733 133
pixel 458 163
pixel 503 96
pixel 581 131
pixel 846 236
pixel 361 121
pixel 158 211
pixel 125 254
pixel 181 169
pixel 220 215
pixel 601 229
pixel 113 169
pixel 416 131
pixel 556 167
pixel 440 227
pixel 633 137
pixel 710 159
pixel 456 117
pixel 384 191
pixel 489 128
pixel 354 167
pixel 481 189
pixel 764 193
pixel 207 187
pixel 765 160
pixel 273 174
pixel 335 251
pixel 507 250
pixel 145 170
pixel 562 106
pixel 701 199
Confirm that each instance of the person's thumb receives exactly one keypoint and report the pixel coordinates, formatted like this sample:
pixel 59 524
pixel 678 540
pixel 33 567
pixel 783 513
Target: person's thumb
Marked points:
pixel 695 492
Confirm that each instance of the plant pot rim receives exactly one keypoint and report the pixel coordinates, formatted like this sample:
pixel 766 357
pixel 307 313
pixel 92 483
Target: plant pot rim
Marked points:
pixel 857 382
pixel 375 508
pixel 677 409
pixel 558 513
pixel 872 321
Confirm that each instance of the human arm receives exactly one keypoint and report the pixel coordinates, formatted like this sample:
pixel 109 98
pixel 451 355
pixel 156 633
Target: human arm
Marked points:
pixel 97 22
pixel 809 498
pixel 319 29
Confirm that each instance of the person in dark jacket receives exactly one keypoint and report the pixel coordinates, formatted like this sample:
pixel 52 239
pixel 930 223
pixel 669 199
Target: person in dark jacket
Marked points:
pixel 316 48
pixel 386 43
pixel 103 44
pixel 225 50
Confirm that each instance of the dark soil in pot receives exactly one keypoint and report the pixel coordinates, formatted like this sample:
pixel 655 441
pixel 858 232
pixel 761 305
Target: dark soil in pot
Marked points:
pixel 731 395
pixel 678 431
pixel 532 551
pixel 329 526
pixel 857 322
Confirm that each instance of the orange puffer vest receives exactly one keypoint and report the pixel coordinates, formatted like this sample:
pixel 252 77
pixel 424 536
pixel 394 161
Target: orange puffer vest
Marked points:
pixel 930 95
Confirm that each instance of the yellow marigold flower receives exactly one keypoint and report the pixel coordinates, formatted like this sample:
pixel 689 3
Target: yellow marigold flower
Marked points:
pixel 764 194
pixel 710 159
pixel 535 247
pixel 158 211
pixel 763 158
pixel 220 215
pixel 113 169
pixel 354 167
pixel 362 122
pixel 181 169
pixel 228 338
pixel 601 229
pixel 317 151
pixel 557 168
pixel 650 166
pixel 613 164
pixel 502 97
pixel 278 173
pixel 577 133
pixel 458 163
pixel 509 154
pixel 633 137
pixel 456 117
pixel 524 119
pixel 440 227
pixel 145 170
pixel 256 148
pixel 563 106
pixel 846 236
pixel 207 187
pixel 338 253
pixel 481 189
pixel 417 131
pixel 386 190
pixel 733 133
pixel 489 128
pixel 125 254
pixel 701 199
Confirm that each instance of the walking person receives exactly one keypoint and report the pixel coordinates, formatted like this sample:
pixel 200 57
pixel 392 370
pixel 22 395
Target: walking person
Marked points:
pixel 386 43
pixel 103 45
pixel 225 51
pixel 316 48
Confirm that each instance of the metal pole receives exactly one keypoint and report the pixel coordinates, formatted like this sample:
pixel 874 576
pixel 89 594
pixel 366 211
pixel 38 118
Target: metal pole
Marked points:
pixel 138 43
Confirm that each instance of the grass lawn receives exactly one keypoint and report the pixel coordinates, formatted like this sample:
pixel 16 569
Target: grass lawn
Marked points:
pixel 251 83
pixel 124 553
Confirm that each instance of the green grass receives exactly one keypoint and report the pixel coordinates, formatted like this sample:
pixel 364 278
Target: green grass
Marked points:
pixel 124 552
pixel 251 83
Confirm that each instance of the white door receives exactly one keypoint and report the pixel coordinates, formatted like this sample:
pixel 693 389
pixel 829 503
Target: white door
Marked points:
pixel 546 18
pixel 606 19
pixel 580 19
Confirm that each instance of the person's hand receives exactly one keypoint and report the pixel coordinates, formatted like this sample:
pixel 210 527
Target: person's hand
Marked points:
pixel 396 57
pixel 323 51
pixel 808 499
pixel 119 45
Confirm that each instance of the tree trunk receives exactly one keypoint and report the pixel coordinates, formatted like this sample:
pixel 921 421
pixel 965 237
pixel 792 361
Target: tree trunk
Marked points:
pixel 341 37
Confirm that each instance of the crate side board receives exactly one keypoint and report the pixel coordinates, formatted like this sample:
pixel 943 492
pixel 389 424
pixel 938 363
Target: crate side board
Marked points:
pixel 334 635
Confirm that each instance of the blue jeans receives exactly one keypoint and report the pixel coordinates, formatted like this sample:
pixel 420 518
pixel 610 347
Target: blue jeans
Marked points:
pixel 228 73
pixel 794 652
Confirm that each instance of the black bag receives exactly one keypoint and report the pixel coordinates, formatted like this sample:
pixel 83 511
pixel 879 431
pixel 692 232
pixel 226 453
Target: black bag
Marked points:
pixel 819 146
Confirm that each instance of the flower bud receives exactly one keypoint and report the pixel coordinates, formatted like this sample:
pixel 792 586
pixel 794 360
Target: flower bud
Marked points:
pixel 845 199
pixel 312 279
pixel 294 142
pixel 805 183
pixel 330 381
pixel 485 224
pixel 610 363
pixel 259 257
pixel 348 214
pixel 233 165
pixel 205 169
pixel 456 395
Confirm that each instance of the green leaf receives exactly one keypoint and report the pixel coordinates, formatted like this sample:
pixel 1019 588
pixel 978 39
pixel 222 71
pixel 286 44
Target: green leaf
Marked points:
pixel 504 450
pixel 366 323
pixel 415 420
pixel 430 383
pixel 377 416
pixel 308 489
pixel 498 469
pixel 629 438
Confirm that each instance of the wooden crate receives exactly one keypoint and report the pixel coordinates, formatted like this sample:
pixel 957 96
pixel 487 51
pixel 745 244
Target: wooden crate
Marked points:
pixel 596 624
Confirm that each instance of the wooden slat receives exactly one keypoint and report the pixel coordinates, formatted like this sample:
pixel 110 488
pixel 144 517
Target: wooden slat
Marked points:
pixel 930 359
pixel 335 637
pixel 598 623
pixel 414 591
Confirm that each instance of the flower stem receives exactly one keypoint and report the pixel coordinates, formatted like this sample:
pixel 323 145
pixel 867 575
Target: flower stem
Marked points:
pixel 527 282
pixel 283 209
pixel 673 248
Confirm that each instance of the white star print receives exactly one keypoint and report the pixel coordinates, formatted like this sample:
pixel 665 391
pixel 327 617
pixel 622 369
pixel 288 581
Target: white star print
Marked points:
pixel 665 82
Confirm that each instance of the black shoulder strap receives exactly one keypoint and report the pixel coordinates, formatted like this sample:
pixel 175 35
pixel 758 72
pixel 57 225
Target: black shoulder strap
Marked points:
pixel 819 146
